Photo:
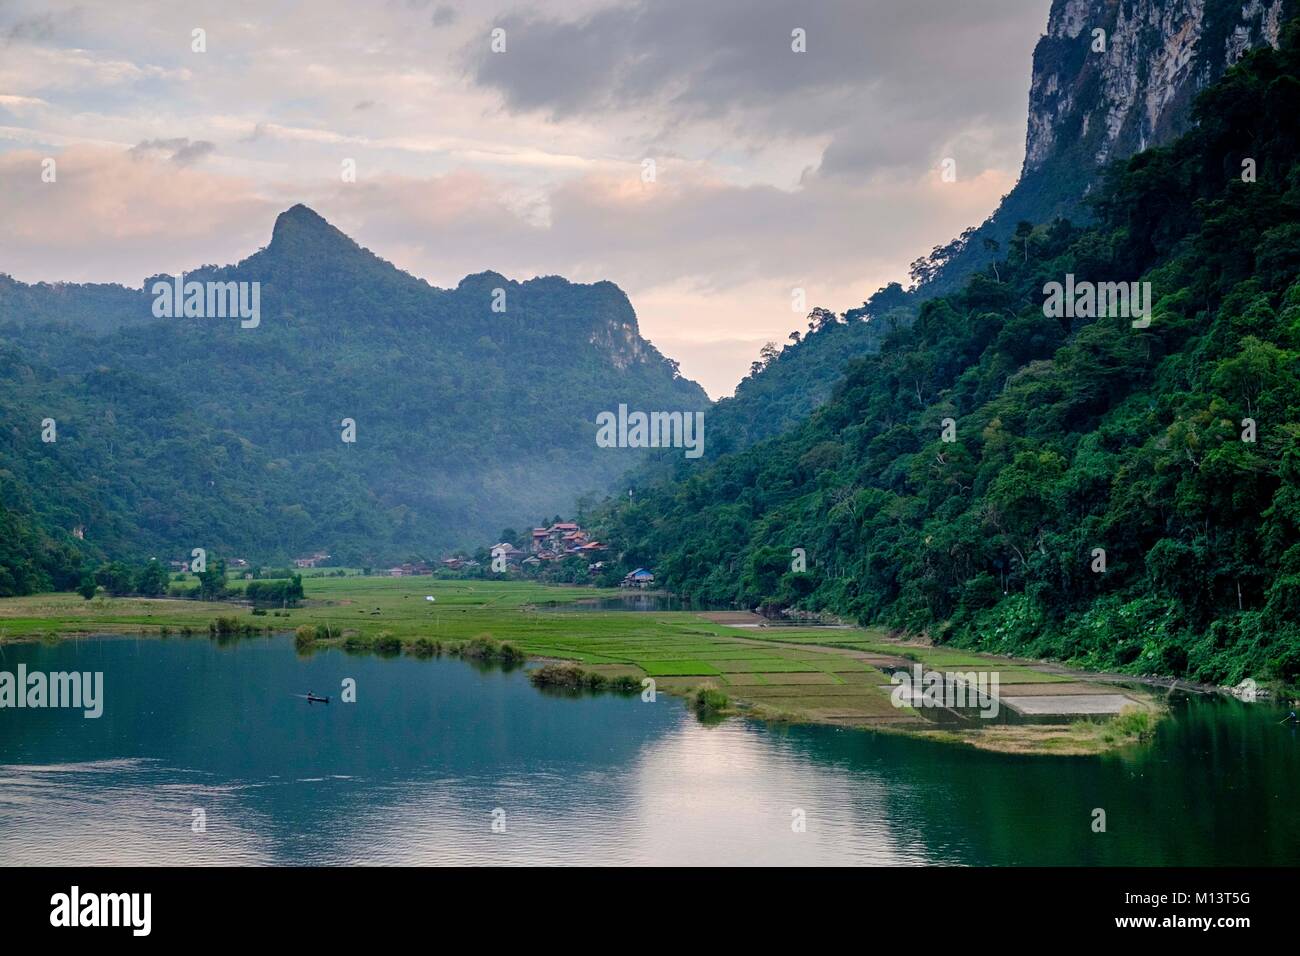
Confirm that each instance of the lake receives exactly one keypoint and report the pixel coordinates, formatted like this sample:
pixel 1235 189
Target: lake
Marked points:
pixel 412 772
pixel 651 601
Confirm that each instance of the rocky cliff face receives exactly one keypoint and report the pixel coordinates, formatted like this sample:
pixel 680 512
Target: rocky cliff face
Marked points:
pixel 1112 77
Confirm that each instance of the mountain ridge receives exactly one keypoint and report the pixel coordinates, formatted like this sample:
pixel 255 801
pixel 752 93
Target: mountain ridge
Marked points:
pixel 467 419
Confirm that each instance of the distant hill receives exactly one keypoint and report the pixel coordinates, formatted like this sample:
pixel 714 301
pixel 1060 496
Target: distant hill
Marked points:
pixel 174 433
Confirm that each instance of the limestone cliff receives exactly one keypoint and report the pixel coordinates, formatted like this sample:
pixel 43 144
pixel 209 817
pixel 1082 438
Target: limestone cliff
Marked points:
pixel 1110 78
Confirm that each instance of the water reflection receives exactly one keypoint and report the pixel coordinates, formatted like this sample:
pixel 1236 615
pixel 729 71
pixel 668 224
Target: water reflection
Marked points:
pixel 412 772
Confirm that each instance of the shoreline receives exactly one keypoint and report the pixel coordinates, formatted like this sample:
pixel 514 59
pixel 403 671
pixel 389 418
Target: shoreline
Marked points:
pixel 832 676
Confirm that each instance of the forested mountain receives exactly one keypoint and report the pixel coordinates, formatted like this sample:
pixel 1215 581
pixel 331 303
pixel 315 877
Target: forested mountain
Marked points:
pixel 1120 495
pixel 174 433
pixel 1088 106
pixel 1110 78
pixel 787 383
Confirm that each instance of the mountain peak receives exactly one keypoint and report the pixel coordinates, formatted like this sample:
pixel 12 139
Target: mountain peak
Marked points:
pixel 299 222
pixel 303 240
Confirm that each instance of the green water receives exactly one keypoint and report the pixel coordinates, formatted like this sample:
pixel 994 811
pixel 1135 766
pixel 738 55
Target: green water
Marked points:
pixel 414 770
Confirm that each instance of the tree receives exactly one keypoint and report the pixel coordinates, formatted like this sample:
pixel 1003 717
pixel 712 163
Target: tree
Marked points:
pixel 116 578
pixel 151 581
pixel 212 582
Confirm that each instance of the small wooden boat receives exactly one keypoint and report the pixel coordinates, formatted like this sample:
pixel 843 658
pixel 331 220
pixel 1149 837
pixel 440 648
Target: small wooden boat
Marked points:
pixel 312 698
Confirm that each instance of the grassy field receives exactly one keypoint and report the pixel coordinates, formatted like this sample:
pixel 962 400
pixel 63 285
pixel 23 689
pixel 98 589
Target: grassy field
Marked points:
pixel 796 674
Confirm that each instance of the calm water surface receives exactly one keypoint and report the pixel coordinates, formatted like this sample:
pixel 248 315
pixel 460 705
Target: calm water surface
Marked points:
pixel 629 601
pixel 412 772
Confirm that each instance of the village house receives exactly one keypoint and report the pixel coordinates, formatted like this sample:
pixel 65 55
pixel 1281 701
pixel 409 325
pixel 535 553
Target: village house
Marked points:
pixel 504 548
pixel 561 540
pixel 552 538
pixel 311 560
pixel 640 578
pixel 457 563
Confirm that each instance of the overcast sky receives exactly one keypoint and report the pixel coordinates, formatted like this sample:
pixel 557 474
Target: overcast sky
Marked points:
pixel 773 169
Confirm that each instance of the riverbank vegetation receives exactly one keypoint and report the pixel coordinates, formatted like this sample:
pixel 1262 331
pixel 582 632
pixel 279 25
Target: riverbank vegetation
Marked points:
pixel 835 676
pixel 573 678
pixel 708 702
pixel 1080 738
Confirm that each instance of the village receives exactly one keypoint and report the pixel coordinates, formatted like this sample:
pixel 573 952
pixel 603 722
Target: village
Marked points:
pixel 563 539
pixel 563 544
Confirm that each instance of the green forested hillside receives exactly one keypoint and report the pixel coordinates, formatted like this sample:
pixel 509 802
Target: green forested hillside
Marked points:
pixel 1071 435
pixel 179 433
pixel 787 383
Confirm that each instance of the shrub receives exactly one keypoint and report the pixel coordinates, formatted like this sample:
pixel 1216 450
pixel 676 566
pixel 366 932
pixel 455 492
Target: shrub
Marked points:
pixel 356 642
pixel 625 684
pixel 568 677
pixel 423 647
pixel 488 649
pixel 281 591
pixel 708 701
pixel 1131 725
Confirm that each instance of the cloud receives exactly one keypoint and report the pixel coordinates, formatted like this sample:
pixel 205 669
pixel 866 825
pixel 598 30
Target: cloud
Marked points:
pixel 118 215
pixel 35 29
pixel 180 151
pixel 887 82
pixel 774 168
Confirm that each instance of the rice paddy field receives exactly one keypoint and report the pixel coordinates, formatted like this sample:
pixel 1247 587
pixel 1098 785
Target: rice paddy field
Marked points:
pixel 809 674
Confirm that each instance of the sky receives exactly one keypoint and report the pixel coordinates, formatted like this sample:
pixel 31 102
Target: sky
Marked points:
pixel 682 149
